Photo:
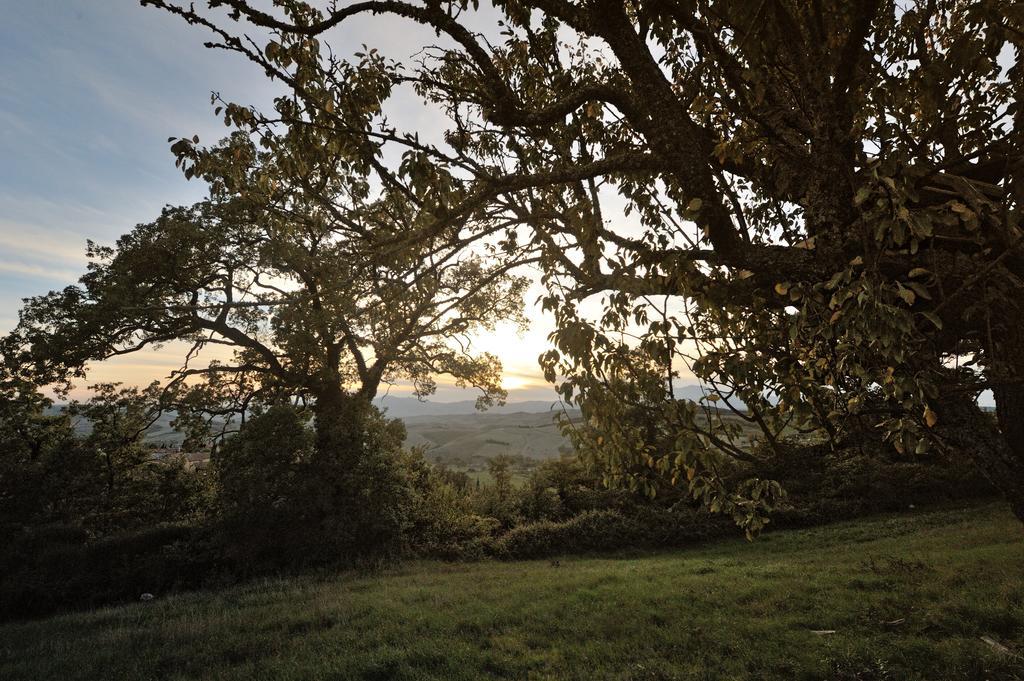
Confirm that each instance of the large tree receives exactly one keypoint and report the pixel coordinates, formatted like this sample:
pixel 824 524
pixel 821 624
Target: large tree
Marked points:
pixel 826 193
pixel 295 268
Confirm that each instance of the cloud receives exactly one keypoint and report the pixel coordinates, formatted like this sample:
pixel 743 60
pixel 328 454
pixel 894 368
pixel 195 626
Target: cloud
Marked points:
pixel 38 271
pixel 42 242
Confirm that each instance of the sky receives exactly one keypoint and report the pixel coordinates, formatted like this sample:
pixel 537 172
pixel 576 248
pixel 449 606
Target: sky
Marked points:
pixel 90 91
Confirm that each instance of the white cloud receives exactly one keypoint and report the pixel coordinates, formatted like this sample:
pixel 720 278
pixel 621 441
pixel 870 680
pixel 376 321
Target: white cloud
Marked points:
pixel 40 271
pixel 34 241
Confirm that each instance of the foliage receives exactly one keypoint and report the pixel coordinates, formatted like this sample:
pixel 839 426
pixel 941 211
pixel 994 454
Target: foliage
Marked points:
pixel 444 519
pixel 85 518
pixel 104 482
pixel 269 516
pixel 299 273
pixel 37 580
pixel 29 437
pixel 284 504
pixel 820 202
pixel 603 531
pixel 498 499
pixel 298 265
pixel 258 470
pixel 823 486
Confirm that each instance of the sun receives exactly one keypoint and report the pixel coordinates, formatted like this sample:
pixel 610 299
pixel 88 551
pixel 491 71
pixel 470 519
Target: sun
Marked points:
pixel 514 382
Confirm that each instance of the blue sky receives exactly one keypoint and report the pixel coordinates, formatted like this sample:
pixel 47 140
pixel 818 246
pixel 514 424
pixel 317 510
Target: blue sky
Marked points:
pixel 89 93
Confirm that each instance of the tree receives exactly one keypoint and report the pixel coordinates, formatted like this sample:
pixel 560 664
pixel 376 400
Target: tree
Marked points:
pixel 827 194
pixel 282 501
pixel 28 425
pixel 100 477
pixel 304 276
pixel 29 434
pixel 117 419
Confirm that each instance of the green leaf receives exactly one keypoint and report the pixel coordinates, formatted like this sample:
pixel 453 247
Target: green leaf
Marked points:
pixel 920 290
pixel 933 318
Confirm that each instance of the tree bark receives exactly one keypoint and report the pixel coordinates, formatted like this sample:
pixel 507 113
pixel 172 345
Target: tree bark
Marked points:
pixel 1010 416
pixel 997 452
pixel 340 424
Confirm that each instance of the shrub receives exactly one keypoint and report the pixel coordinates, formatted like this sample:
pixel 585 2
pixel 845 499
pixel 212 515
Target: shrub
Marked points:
pixel 257 470
pixel 284 505
pixel 546 538
pixel 57 570
pixel 443 523
pixel 610 530
pixel 824 486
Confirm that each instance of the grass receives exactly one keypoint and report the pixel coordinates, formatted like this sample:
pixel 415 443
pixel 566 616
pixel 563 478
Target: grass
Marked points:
pixel 909 597
pixel 518 480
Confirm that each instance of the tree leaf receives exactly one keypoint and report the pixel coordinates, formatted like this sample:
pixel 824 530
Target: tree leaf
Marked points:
pixel 933 318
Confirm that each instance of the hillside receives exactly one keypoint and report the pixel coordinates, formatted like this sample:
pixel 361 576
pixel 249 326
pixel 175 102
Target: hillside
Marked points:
pixel 438 425
pixel 933 595
pixel 459 438
pixel 455 433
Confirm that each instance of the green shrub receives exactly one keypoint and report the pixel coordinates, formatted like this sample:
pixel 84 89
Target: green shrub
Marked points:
pixel 284 505
pixel 824 485
pixel 58 571
pixel 547 538
pixel 442 520
pixel 610 530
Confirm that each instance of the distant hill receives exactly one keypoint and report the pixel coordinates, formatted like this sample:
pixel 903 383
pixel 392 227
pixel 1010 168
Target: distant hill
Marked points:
pixel 455 438
pixel 401 407
pixel 159 433
pixel 451 430
pixel 454 431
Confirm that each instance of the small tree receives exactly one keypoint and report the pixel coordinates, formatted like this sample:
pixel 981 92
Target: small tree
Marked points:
pixel 87 465
pixel 117 418
pixel 30 433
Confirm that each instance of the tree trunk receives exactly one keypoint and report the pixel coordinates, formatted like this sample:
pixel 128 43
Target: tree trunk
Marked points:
pixel 340 424
pixel 997 452
pixel 1010 416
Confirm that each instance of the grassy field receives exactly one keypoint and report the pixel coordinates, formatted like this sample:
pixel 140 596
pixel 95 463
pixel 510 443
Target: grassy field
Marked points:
pixel 908 597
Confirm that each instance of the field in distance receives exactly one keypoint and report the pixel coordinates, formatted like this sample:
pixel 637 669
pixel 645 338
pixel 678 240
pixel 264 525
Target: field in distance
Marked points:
pixel 458 436
pixel 460 439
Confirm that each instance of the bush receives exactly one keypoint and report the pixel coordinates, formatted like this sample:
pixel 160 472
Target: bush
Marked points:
pixel 442 520
pixel 56 569
pixel 281 507
pixel 258 470
pixel 824 486
pixel 610 530
pixel 284 505
pixel 586 532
